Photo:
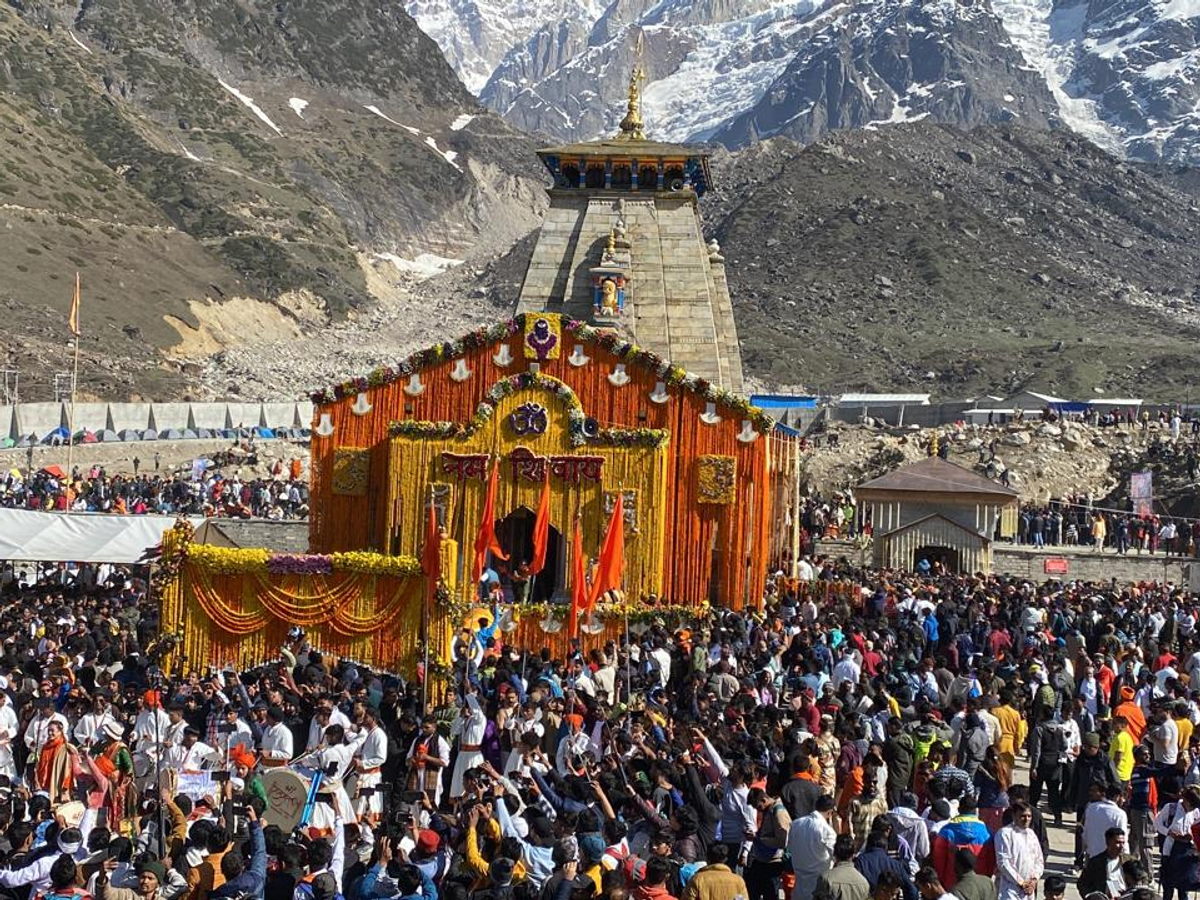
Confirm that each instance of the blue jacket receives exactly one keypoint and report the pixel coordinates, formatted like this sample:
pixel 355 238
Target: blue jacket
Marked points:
pixel 367 888
pixel 253 881
pixel 873 861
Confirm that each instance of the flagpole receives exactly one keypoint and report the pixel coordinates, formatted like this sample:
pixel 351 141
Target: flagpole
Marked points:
pixel 74 380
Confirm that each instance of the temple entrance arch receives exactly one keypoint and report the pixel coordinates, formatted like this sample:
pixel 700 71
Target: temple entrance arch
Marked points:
pixel 515 532
pixel 948 557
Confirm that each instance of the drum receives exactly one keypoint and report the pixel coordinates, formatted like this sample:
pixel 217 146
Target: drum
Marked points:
pixel 287 794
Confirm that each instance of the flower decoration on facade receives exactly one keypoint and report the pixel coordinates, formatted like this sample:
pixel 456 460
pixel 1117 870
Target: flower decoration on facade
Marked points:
pixel 418 429
pixel 609 340
pixel 244 561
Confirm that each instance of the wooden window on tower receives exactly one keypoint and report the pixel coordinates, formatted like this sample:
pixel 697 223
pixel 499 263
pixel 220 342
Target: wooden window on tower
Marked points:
pixel 595 177
pixel 648 178
pixel 622 176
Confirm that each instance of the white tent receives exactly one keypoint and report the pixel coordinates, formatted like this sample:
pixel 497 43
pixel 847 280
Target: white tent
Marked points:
pixel 69 537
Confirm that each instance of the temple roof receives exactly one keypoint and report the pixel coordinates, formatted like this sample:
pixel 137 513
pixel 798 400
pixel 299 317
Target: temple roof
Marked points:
pixel 619 147
pixel 934 475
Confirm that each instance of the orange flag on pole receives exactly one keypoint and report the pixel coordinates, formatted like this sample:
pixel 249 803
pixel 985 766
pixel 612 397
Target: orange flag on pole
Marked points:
pixel 541 528
pixel 612 555
pixel 485 538
pixel 73 316
pixel 579 588
pixel 431 556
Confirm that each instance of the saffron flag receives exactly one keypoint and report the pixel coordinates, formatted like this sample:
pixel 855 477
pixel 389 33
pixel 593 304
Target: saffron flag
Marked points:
pixel 73 316
pixel 612 555
pixel 431 556
pixel 579 589
pixel 485 538
pixel 541 528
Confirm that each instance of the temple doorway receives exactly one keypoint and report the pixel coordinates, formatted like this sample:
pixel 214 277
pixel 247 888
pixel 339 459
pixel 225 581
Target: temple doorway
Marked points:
pixel 946 557
pixel 515 533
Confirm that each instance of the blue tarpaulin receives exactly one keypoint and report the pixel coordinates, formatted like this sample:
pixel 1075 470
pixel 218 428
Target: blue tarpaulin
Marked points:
pixel 782 401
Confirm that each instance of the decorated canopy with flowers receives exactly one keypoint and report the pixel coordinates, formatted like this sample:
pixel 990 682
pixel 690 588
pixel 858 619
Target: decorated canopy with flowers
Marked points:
pixel 234 605
pixel 540 390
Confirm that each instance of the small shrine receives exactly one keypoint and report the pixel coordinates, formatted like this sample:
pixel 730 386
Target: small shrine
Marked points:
pixel 609 279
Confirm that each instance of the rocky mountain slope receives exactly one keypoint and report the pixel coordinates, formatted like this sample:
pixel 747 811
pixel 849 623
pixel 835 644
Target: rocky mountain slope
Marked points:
pixel 1121 72
pixel 924 257
pixel 918 258
pixel 221 172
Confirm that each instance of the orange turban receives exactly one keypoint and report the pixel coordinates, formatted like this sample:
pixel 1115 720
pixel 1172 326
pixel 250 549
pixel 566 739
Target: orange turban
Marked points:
pixel 574 719
pixel 242 757
pixel 152 699
pixel 1127 693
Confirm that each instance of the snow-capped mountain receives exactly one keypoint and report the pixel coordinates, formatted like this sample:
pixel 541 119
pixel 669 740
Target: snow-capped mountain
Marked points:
pixel 475 35
pixel 1124 73
pixel 898 61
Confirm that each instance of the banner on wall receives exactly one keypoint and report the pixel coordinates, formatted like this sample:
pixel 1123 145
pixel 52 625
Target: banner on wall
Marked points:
pixel 1141 493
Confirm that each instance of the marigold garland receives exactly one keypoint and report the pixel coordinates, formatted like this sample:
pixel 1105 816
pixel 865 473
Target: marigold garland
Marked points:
pixel 228 560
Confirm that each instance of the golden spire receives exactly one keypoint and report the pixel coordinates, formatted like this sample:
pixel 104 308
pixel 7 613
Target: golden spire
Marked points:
pixel 632 126
pixel 610 250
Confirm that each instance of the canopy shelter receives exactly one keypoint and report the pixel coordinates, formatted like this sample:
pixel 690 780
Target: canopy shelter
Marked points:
pixel 27 535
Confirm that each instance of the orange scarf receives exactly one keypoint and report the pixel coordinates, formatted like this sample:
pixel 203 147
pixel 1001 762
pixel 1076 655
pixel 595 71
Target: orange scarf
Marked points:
pixel 45 766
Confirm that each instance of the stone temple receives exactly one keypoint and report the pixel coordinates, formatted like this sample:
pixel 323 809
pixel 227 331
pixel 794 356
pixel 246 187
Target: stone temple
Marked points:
pixel 622 247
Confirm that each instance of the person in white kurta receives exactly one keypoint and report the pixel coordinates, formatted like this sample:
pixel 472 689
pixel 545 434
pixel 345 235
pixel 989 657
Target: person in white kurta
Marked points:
pixel 326 715
pixel 469 728
pixel 88 728
pixel 10 730
pixel 276 742
pixel 810 844
pixel 192 755
pixel 151 728
pixel 1019 860
pixel 372 754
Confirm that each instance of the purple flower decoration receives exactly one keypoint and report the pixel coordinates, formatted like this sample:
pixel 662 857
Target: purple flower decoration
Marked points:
pixel 291 564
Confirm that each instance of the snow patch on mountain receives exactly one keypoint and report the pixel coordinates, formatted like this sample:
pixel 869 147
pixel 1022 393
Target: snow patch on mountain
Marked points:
pixel 475 35
pixel 249 103
pixel 1048 39
pixel 732 66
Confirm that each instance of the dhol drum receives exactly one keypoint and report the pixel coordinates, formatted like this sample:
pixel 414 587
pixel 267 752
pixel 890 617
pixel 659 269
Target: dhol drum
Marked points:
pixel 287 794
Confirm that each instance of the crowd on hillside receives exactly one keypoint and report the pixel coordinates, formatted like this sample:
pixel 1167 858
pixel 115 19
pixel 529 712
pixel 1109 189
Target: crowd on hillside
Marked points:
pixel 857 738
pixel 207 492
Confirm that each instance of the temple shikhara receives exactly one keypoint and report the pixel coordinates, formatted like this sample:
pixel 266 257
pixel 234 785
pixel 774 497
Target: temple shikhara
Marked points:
pixel 623 246
pixel 614 386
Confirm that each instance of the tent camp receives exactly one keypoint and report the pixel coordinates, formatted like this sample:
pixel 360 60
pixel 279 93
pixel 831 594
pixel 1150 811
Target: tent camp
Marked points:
pixel 26 535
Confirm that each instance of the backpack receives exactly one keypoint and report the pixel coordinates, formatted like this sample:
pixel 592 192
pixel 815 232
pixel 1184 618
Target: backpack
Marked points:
pixel 1053 745
pixel 632 869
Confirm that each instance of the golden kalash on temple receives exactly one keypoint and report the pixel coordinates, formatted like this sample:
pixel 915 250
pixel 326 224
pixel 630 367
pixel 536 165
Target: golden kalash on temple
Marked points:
pixel 513 449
